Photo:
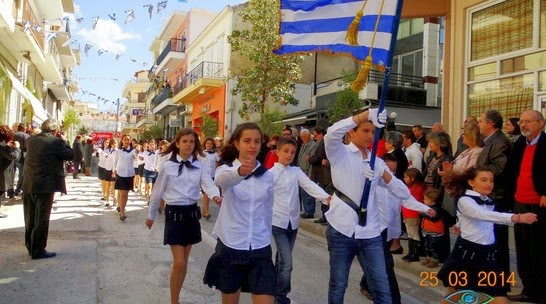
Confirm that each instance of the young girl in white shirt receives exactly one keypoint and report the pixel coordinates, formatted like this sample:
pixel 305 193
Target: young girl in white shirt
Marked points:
pixel 472 264
pixel 210 159
pixel 124 173
pixel 242 258
pixel 178 184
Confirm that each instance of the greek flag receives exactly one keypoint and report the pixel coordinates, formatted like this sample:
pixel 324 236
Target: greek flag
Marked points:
pixel 321 25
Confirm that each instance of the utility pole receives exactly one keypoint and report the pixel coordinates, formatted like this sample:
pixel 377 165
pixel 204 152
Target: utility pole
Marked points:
pixel 117 118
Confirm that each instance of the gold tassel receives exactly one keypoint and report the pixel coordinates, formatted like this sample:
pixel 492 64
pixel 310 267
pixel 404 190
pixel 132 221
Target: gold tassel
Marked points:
pixel 360 82
pixel 352 31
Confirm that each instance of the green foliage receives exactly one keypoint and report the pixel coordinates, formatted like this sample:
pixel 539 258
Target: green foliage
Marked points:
pixel 347 101
pixel 267 123
pixel 83 131
pixel 71 119
pixel 270 78
pixel 153 132
pixel 209 127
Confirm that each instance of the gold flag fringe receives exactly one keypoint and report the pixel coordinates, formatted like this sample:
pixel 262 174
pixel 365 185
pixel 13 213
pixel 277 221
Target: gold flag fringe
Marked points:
pixel 360 82
pixel 352 31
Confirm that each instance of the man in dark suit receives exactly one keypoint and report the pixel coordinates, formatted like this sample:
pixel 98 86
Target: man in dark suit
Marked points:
pixel 43 176
pixel 320 170
pixel 528 166
pixel 78 155
pixel 495 155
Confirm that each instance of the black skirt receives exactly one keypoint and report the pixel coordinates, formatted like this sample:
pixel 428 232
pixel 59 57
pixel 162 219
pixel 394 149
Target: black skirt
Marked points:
pixel 182 225
pixel 251 271
pixel 473 266
pixel 100 173
pixel 124 183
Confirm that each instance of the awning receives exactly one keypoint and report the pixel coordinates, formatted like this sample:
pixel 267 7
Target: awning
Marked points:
pixel 40 115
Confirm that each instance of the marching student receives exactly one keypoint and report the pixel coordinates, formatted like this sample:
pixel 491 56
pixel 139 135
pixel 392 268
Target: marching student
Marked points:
pixel 242 258
pixel 178 184
pixel 210 159
pixel 124 173
pixel 150 170
pixel 105 144
pixel 286 211
pixel 474 251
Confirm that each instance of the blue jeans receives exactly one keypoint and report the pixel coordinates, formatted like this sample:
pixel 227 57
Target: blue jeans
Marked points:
pixel 308 202
pixel 284 240
pixel 370 255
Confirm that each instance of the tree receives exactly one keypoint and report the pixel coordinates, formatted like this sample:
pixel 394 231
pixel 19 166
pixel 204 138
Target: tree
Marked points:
pixel 267 123
pixel 209 127
pixel 83 130
pixel 269 78
pixel 153 132
pixel 347 100
pixel 71 119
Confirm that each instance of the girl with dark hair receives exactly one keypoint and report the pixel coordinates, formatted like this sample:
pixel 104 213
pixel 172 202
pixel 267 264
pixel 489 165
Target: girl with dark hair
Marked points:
pixel 9 151
pixel 474 251
pixel 124 173
pixel 178 184
pixel 210 159
pixel 242 258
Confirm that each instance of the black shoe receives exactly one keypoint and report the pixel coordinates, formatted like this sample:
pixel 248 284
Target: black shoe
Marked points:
pixel 77 177
pixel 523 298
pixel 307 216
pixel 44 255
pixel 366 293
pixel 320 221
pixel 118 209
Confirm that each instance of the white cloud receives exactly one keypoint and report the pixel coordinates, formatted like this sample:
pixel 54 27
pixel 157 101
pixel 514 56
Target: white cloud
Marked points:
pixel 108 36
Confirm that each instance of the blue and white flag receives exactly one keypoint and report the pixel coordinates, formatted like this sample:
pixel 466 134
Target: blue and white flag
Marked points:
pixel 161 5
pixel 50 36
pixel 321 26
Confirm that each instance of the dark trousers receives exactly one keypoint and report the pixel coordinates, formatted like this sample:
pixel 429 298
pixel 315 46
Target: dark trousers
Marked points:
pixel 432 246
pixel 77 167
pixel 389 262
pixel 530 249
pixel 37 209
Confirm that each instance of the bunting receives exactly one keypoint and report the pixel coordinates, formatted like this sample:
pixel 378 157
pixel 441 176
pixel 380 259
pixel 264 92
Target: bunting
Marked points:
pixel 50 35
pixel 69 41
pixel 112 16
pixel 130 16
pixel 87 48
pixel 150 9
pixel 95 21
pixel 161 5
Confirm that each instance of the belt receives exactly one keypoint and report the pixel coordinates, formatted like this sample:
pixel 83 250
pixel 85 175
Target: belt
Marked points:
pixel 346 200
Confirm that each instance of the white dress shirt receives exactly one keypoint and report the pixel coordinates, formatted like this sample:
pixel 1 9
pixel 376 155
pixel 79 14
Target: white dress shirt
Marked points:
pixel 476 221
pixel 161 159
pixel 286 208
pixel 123 162
pixel 150 160
pixel 183 190
pixel 210 160
pixel 108 157
pixel 414 156
pixel 101 158
pixel 390 202
pixel 244 220
pixel 348 177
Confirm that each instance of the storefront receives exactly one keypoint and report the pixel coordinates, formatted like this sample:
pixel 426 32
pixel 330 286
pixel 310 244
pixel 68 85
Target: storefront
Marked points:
pixel 212 104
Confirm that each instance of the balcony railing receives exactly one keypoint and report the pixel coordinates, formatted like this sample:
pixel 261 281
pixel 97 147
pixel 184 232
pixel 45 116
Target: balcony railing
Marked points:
pixel 204 70
pixel 28 15
pixel 174 45
pixel 396 79
pixel 161 97
pixel 54 52
pixel 144 117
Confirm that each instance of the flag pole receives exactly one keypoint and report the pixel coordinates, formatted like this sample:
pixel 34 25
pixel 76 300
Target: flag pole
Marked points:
pixel 367 185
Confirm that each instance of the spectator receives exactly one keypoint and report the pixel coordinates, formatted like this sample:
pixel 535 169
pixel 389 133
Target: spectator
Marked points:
pixel 420 137
pixel 43 176
pixel 413 150
pixel 512 129
pixel 528 168
pixel 460 145
pixel 393 143
pixel 21 137
pixel 320 170
pixel 307 148
pixel 77 147
pixel 9 152
pixel 88 155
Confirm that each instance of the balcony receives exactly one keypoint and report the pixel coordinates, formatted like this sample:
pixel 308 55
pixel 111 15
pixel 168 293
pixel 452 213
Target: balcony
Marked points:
pixel 144 120
pixel 7 9
pixel 205 77
pixel 162 103
pixel 400 80
pixel 172 55
pixel 28 15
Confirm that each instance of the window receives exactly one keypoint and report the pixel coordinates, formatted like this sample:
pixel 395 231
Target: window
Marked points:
pixel 501 28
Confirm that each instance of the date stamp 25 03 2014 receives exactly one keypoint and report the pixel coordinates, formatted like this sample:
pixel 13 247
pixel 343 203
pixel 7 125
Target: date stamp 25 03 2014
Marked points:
pixel 462 278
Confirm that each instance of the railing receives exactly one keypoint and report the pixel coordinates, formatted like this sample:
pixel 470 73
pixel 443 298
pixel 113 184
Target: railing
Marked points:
pixel 204 70
pixel 55 55
pixel 161 97
pixel 174 45
pixel 28 15
pixel 144 117
pixel 396 79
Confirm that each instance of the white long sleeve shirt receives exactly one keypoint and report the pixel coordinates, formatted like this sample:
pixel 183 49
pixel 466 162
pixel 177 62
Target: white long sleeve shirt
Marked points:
pixel 107 158
pixel 210 160
pixel 348 177
pixel 414 156
pixel 123 162
pixel 476 221
pixel 181 190
pixel 286 207
pixel 245 217
pixel 150 159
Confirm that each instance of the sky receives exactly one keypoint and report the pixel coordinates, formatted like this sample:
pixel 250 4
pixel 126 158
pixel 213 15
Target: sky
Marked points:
pixel 101 78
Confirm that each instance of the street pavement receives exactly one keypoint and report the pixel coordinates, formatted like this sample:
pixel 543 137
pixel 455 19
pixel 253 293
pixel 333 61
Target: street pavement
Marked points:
pixel 103 260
